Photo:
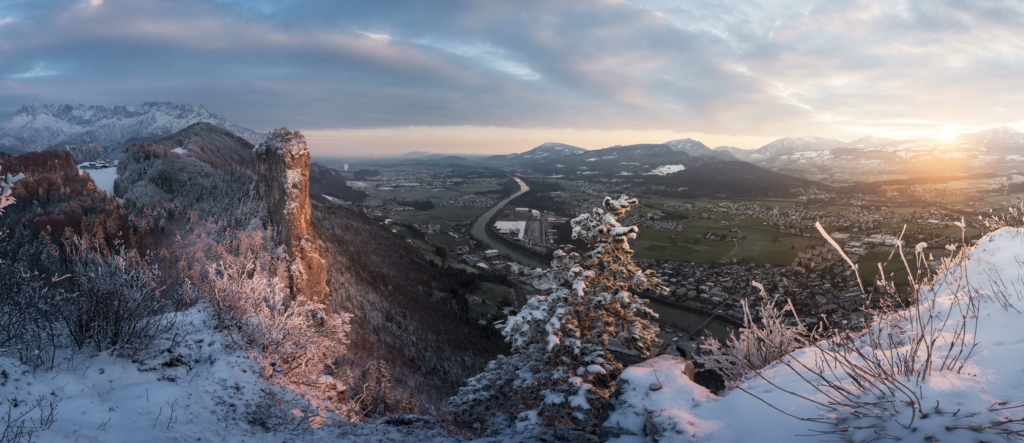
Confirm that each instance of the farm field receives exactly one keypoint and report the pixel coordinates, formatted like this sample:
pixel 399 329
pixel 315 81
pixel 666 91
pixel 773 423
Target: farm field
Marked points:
pixel 760 245
pixel 445 216
pixel 490 294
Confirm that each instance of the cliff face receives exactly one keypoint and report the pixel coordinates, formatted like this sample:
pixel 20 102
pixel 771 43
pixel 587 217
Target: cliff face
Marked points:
pixel 282 171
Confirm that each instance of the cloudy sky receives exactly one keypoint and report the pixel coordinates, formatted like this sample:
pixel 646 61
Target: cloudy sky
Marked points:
pixel 379 77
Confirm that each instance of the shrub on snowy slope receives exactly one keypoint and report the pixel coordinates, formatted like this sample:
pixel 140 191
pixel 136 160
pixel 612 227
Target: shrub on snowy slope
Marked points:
pixel 942 369
pixel 560 374
pixel 72 276
pixel 296 341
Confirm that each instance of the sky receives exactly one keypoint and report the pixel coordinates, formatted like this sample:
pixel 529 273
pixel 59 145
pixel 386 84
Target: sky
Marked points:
pixel 484 77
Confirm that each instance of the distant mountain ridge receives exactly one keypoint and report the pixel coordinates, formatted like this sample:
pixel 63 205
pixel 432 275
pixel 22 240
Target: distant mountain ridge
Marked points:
pixel 797 144
pixel 89 129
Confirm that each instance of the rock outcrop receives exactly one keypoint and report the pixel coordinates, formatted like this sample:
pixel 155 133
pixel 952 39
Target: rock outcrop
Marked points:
pixel 282 181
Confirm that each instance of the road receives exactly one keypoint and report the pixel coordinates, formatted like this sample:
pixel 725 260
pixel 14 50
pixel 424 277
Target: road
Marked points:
pixel 479 232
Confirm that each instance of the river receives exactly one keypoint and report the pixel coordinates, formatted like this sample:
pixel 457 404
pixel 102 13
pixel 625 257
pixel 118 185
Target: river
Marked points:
pixel 479 232
pixel 687 321
pixel 669 315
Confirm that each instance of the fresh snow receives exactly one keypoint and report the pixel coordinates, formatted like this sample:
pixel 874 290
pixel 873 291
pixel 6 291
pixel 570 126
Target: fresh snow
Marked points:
pixel 666 169
pixel 104 178
pixel 202 391
pixel 682 411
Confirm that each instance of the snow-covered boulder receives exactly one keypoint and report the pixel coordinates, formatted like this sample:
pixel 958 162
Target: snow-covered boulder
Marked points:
pixel 656 400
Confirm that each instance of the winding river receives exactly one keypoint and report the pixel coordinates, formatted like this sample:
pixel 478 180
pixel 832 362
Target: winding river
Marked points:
pixel 667 314
pixel 479 232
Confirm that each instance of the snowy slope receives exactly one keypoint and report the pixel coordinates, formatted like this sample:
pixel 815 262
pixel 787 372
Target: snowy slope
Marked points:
pixel 104 178
pixel 203 390
pixel 798 144
pixel 989 389
pixel 35 126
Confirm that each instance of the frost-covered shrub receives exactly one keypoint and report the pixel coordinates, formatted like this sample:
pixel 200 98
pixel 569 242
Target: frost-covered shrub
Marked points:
pixel 758 343
pixel 28 329
pixel 376 393
pixel 295 342
pixel 560 374
pixel 110 302
pixel 875 381
pixel 20 425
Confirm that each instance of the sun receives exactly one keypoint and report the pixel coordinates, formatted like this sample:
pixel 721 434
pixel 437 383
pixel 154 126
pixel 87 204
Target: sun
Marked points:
pixel 947 134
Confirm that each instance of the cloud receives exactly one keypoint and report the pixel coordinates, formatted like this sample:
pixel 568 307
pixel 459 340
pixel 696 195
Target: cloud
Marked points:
pixel 725 68
pixel 490 56
pixel 383 38
pixel 38 71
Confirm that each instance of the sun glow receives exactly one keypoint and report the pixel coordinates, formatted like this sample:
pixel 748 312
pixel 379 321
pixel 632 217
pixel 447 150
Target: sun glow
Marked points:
pixel 947 134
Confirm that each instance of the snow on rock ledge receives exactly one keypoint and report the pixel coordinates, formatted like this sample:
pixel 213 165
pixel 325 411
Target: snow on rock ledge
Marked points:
pixel 665 414
pixel 684 412
pixel 282 181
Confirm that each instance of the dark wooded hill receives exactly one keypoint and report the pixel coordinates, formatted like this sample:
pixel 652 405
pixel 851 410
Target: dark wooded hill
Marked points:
pixel 734 179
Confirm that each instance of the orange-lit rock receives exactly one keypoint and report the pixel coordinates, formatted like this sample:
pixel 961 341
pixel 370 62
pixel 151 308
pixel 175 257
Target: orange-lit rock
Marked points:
pixel 282 171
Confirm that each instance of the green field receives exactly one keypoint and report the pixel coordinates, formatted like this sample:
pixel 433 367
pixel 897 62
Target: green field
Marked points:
pixel 490 294
pixel 907 210
pixel 472 189
pixel 447 241
pixel 443 216
pixel 420 245
pixel 760 245
pixel 763 245
pixel 418 193
pixel 896 228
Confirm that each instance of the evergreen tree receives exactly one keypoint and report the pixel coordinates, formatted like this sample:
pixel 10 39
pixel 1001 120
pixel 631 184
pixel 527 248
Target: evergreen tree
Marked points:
pixel 560 374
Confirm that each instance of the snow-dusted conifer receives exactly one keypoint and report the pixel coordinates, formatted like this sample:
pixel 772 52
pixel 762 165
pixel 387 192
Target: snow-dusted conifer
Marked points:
pixel 560 374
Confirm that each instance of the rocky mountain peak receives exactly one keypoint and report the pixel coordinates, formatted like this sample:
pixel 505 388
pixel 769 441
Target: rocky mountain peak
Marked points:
pixel 37 126
pixel 282 181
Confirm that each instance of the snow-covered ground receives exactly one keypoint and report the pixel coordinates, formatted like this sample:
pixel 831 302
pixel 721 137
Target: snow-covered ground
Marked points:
pixel 104 178
pixel 205 390
pixel 201 391
pixel 666 169
pixel 989 389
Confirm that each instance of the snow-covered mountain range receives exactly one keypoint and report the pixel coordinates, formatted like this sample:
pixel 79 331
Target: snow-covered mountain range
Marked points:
pixel 993 151
pixel 95 129
pixel 998 151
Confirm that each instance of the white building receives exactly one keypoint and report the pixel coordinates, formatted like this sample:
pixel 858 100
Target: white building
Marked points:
pixel 517 228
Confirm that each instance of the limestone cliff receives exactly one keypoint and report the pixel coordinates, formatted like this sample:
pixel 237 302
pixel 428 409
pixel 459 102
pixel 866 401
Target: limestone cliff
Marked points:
pixel 282 171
